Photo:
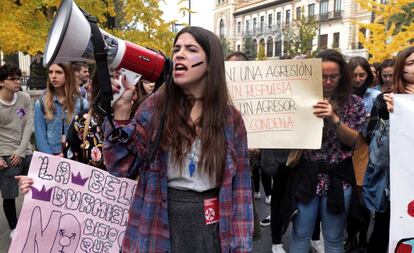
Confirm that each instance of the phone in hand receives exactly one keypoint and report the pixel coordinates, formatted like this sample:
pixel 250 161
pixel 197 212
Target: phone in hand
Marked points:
pixel 132 79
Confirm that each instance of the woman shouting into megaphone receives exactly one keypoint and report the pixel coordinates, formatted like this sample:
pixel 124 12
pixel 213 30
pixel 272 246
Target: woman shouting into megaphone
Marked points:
pixel 195 194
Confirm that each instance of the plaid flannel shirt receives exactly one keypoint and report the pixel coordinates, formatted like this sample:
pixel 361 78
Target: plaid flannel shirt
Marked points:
pixel 148 226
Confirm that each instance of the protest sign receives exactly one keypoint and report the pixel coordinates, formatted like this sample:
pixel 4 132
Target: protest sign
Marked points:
pixel 72 207
pixel 402 175
pixel 275 99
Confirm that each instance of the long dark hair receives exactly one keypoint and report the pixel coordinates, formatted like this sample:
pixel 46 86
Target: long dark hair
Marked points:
pixel 359 61
pixel 343 90
pixel 179 134
pixel 399 82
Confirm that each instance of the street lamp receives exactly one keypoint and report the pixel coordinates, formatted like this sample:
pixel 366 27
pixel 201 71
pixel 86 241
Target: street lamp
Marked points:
pixel 189 12
pixel 319 27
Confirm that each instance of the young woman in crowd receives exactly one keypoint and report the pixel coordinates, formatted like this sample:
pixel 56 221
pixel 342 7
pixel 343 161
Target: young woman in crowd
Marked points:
pixel 375 70
pixel 201 164
pixel 386 74
pixel 362 78
pixel 323 182
pixel 85 136
pixel 15 131
pixel 54 111
pixel 143 89
pixel 376 198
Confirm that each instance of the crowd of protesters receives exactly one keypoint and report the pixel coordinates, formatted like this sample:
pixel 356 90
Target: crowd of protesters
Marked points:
pixel 203 152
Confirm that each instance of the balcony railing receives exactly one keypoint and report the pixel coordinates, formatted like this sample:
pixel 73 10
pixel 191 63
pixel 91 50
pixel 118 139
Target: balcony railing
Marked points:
pixel 332 15
pixel 265 31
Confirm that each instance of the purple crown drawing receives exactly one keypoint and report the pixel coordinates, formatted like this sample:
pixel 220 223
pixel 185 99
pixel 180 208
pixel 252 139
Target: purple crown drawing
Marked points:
pixel 43 195
pixel 78 179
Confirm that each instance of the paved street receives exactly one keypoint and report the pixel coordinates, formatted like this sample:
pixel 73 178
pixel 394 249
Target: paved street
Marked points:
pixel 4 228
pixel 261 246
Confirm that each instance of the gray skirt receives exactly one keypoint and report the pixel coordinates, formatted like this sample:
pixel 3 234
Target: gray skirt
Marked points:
pixel 188 229
pixel 9 187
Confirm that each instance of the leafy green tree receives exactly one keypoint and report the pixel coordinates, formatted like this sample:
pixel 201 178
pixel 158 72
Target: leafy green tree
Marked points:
pixel 249 48
pixel 299 37
pixel 225 45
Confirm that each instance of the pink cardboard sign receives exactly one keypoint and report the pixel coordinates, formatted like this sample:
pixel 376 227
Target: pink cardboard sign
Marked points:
pixel 72 207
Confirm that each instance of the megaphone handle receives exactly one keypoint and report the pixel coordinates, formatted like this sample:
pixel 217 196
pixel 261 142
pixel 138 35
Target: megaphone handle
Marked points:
pixel 165 75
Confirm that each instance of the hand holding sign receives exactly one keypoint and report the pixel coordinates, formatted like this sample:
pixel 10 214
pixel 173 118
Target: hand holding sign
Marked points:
pixel 25 182
pixel 275 99
pixel 71 207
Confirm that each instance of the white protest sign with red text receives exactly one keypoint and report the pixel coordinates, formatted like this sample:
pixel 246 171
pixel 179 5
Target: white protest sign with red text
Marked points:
pixel 402 175
pixel 276 99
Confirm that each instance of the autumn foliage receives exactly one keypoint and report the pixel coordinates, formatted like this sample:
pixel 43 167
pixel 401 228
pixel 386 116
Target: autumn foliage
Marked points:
pixel 24 24
pixel 392 28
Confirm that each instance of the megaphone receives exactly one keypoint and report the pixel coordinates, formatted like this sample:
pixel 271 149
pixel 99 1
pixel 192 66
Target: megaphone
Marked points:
pixel 69 39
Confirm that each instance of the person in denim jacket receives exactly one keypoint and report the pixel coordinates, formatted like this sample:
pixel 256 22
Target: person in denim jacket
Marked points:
pixel 53 114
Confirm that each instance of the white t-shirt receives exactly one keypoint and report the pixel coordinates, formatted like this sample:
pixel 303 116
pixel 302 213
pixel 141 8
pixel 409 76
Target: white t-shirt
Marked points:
pixel 182 180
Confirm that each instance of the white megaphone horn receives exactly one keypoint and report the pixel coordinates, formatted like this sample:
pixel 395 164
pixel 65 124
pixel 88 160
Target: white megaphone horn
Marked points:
pixel 69 39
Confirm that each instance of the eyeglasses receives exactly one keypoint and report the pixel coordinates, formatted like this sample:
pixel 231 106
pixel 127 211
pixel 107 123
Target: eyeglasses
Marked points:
pixel 14 78
pixel 333 77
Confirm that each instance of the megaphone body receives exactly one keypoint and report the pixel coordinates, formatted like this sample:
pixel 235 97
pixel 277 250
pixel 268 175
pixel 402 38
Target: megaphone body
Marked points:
pixel 69 39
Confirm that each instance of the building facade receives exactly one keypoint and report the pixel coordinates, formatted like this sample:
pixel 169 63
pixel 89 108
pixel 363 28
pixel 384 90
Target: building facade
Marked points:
pixel 263 22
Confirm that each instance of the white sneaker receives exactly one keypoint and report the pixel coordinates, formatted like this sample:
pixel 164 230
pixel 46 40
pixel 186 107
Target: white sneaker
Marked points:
pixel 12 234
pixel 257 195
pixel 268 199
pixel 278 248
pixel 317 246
pixel 265 222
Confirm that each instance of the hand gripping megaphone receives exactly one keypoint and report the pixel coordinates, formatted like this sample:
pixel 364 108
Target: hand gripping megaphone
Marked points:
pixel 75 36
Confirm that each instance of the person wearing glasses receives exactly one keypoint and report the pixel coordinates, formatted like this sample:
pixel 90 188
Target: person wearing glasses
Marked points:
pixel 323 182
pixel 15 131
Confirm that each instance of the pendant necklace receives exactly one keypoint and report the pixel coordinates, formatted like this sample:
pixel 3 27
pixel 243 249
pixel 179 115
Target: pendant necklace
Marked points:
pixel 192 166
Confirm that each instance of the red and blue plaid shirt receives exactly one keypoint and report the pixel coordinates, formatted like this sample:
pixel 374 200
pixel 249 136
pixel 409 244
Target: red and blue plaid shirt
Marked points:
pixel 148 226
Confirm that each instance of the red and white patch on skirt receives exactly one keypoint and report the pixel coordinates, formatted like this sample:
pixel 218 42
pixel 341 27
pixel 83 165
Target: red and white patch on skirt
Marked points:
pixel 211 210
